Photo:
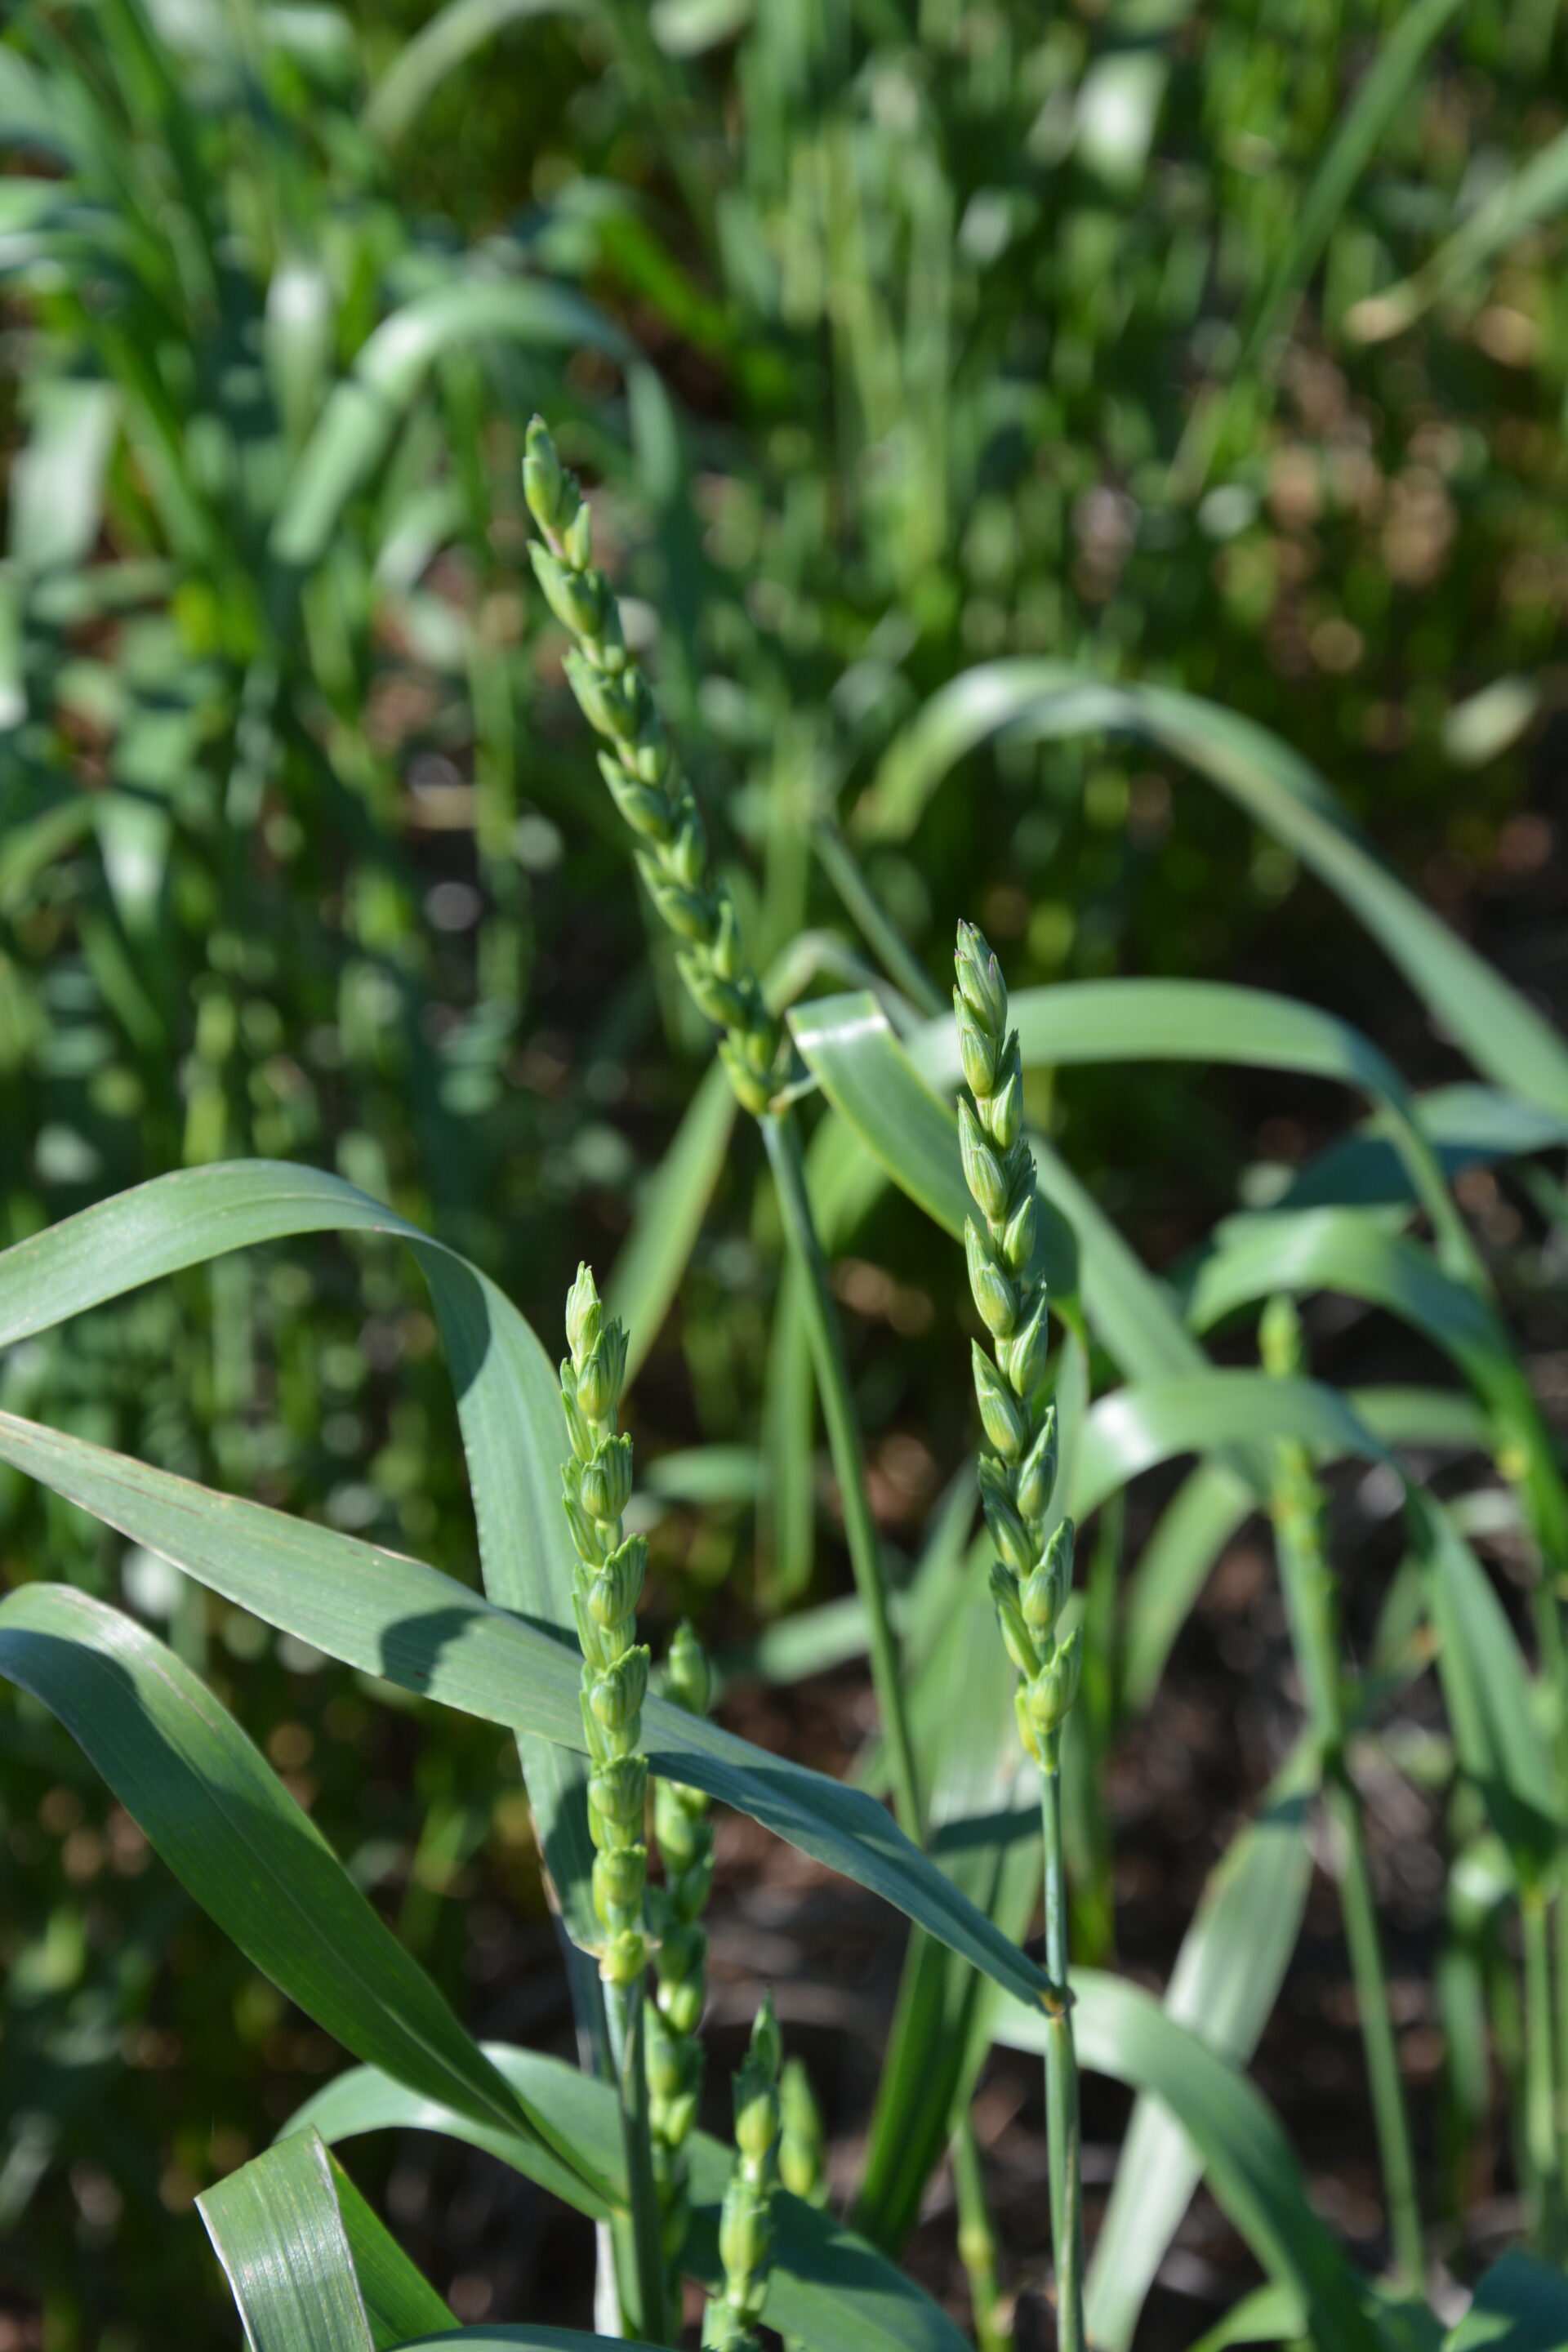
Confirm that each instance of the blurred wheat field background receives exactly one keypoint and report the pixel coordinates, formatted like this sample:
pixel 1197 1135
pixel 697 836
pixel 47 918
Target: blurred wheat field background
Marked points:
pixel 1098 474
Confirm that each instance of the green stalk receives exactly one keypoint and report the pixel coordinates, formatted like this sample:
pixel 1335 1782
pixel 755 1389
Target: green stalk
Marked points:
pixel 616 2238
pixel 1560 1941
pixel 1064 2131
pixel 782 1141
pixel 1540 2074
pixel 977 2246
pixel 876 927
pixel 1378 2044
pixel 644 2317
pixel 1311 1608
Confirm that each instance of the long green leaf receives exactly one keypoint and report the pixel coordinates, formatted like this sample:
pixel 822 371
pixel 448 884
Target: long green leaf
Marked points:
pixel 1505 1037
pixel 235 1838
pixel 1213 1500
pixel 1133 1429
pixel 278 2231
pixel 1253 1257
pixel 1270 2314
pixel 1520 2305
pixel 1490 1698
pixel 1223 1986
pixel 452 35
pixel 848 1045
pixel 413 1626
pixel 1467 1127
pixel 364 410
pixel 399 2300
pixel 1383 91
pixel 1534 192
pixel 509 1404
pixel 1247 2161
pixel 654 1256
pixel 309 2261
pixel 1201 1021
pixel 830 2291
pixel 1349 1250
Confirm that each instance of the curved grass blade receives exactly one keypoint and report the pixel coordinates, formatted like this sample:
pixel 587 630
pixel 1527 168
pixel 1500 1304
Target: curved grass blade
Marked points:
pixel 310 2266
pixel 830 2291
pixel 1504 1036
pixel 278 2231
pixel 1383 91
pixel 1247 2161
pixel 1224 1985
pixel 848 1045
pixel 1270 2314
pixel 1214 1500
pixel 411 1625
pixel 1133 1429
pixel 1349 1250
pixel 399 2300
pixel 1520 2305
pixel 669 1213
pixel 1206 1021
pixel 1534 192
pixel 423 63
pixel 1490 1697
pixel 508 1398
pixel 1251 1257
pixel 365 409
pixel 240 1845
pixel 1467 1127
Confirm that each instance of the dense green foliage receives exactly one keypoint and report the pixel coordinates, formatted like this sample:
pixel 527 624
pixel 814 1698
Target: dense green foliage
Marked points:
pixel 993 422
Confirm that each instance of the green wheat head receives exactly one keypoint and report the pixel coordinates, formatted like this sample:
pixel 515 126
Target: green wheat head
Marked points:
pixel 1033 1574
pixel 640 769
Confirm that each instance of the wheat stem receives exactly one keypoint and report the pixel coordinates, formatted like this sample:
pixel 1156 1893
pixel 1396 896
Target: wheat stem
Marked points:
pixel 1296 1504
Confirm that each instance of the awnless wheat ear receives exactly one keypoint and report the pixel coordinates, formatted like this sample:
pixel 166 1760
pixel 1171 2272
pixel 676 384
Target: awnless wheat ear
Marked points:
pixel 641 771
pixel 658 2057
pixel 1033 1574
pixel 674 860
pixel 731 2320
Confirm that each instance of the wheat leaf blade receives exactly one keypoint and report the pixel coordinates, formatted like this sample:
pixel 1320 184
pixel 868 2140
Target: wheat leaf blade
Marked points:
pixel 242 1847
pixel 404 1622
pixel 830 2291
pixel 1224 1985
pixel 276 2228
pixel 1506 1038
pixel 1247 2161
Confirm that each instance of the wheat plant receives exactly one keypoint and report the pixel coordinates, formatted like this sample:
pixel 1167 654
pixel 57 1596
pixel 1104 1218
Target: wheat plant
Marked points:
pixel 941 1108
